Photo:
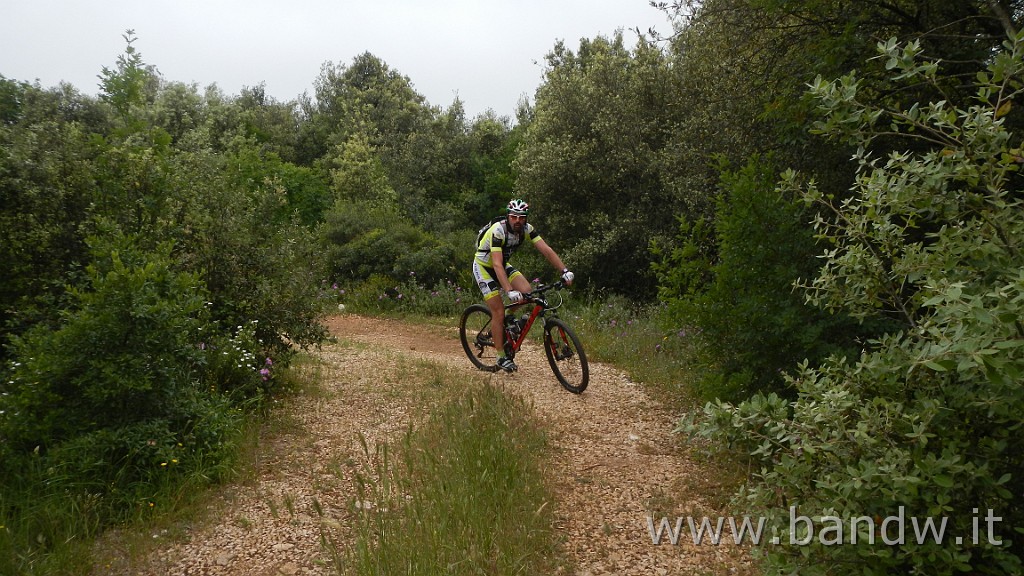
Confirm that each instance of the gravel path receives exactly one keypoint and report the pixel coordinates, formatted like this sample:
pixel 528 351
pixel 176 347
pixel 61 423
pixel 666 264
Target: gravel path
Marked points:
pixel 615 460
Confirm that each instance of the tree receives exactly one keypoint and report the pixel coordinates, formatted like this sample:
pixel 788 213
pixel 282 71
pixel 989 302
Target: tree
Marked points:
pixel 589 160
pixel 740 68
pixel 47 181
pixel 130 86
pixel 751 325
pixel 926 421
pixel 365 97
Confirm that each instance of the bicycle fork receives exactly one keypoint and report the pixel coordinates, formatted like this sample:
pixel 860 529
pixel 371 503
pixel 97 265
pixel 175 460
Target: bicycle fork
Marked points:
pixel 566 352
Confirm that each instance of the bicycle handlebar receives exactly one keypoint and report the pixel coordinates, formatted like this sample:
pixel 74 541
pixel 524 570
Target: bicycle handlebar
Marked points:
pixel 542 288
pixel 535 294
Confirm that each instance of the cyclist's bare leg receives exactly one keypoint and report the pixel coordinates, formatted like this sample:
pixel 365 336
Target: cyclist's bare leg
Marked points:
pixel 520 283
pixel 497 308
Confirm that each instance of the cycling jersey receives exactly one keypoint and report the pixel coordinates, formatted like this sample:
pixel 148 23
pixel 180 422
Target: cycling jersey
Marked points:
pixel 498 239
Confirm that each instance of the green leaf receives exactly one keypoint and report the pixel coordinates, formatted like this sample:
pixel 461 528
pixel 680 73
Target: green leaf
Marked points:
pixel 940 365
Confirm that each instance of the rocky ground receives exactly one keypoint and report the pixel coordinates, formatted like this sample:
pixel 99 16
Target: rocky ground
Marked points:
pixel 616 461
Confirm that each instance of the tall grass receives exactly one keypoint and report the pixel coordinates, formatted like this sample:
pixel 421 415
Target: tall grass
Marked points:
pixel 639 339
pixel 463 494
pixel 49 520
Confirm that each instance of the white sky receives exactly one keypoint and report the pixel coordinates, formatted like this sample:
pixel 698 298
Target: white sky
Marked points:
pixel 489 53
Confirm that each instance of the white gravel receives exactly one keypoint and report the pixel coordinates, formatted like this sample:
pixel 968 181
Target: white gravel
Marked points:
pixel 615 458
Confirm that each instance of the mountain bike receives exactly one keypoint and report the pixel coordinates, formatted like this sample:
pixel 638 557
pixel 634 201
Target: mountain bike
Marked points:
pixel 562 347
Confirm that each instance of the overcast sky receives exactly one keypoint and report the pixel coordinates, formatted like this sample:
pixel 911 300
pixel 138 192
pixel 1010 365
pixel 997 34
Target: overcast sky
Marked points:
pixel 488 53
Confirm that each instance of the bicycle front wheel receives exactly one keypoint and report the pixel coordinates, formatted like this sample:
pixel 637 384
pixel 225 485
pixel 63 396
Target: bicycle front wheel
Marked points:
pixel 565 354
pixel 477 341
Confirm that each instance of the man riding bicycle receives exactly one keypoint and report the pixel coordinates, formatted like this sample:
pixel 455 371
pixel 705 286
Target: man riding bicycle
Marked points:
pixel 493 273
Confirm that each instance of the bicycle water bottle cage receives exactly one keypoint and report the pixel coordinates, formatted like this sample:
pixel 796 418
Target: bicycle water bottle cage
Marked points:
pixel 512 328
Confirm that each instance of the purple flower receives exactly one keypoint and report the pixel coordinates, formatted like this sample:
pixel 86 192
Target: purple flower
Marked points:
pixel 269 362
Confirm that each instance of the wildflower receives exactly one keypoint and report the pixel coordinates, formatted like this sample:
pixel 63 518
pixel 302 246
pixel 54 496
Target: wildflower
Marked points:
pixel 657 348
pixel 334 286
pixel 269 362
pixel 265 374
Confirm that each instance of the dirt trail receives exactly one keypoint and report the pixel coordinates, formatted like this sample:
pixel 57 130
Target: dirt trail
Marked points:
pixel 615 459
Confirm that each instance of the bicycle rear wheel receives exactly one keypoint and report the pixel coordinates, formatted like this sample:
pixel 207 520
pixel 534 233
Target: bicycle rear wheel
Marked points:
pixel 565 354
pixel 477 341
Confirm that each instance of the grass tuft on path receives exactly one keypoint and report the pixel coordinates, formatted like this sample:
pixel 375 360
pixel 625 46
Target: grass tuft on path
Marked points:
pixel 462 494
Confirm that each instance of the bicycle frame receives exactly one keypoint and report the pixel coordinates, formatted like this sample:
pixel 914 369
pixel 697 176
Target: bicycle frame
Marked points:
pixel 540 309
pixel 562 347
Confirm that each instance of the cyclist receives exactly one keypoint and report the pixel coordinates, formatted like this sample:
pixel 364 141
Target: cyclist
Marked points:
pixel 493 273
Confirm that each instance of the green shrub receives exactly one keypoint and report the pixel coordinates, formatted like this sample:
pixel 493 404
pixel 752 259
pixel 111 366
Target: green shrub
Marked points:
pixel 122 353
pixel 104 413
pixel 749 325
pixel 927 421
pixel 366 238
pixel 380 294
pixel 258 263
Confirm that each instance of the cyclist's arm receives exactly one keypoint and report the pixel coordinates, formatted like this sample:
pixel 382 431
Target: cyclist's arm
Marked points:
pixel 550 254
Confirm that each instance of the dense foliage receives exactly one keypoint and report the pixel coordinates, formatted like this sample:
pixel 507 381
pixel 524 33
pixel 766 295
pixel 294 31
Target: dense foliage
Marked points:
pixel 590 159
pixel 151 292
pixel 925 422
pixel 763 244
pixel 168 250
